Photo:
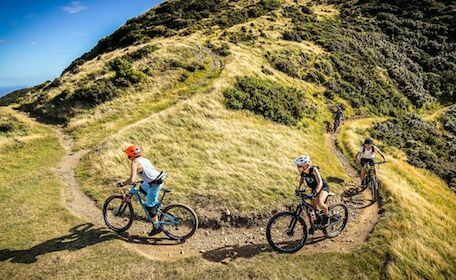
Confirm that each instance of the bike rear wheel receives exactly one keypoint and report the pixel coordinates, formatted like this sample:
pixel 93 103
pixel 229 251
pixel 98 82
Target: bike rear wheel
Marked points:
pixel 286 232
pixel 179 221
pixel 117 213
pixel 338 217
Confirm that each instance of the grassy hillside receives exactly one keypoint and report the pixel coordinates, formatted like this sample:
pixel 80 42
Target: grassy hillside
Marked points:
pixel 41 239
pixel 218 158
pixel 418 225
pixel 224 95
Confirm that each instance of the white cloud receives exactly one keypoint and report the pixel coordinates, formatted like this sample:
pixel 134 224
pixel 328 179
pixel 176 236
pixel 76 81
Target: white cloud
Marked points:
pixel 74 7
pixel 2 41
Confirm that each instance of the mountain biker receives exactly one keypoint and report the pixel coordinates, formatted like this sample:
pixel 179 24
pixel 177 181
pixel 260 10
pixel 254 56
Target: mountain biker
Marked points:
pixel 338 117
pixel 145 169
pixel 320 188
pixel 366 155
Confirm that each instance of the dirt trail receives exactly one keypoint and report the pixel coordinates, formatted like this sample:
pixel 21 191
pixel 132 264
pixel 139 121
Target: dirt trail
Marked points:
pixel 224 245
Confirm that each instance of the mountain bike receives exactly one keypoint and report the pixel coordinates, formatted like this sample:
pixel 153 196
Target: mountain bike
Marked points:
pixel 371 180
pixel 286 231
pixel 178 221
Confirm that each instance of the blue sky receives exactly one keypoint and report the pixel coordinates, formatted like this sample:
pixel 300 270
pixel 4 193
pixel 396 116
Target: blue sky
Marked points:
pixel 39 39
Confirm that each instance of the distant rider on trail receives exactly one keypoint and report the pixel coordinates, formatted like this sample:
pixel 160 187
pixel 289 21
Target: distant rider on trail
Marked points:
pixel 144 168
pixel 366 155
pixel 338 117
pixel 320 188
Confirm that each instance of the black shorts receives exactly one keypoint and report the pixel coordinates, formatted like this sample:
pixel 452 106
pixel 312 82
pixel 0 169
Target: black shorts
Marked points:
pixel 364 161
pixel 324 188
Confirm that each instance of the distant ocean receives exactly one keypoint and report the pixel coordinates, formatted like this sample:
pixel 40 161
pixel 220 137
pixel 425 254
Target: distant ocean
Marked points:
pixel 6 90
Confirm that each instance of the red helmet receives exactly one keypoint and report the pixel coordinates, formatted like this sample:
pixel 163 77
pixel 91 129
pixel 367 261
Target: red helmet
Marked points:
pixel 133 152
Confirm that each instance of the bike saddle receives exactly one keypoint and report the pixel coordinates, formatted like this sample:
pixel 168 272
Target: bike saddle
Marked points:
pixel 166 190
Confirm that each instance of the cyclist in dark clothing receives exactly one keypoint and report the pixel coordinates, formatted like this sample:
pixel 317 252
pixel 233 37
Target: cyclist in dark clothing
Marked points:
pixel 320 188
pixel 338 117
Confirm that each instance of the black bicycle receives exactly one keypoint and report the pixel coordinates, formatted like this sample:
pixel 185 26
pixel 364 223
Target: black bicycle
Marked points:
pixel 371 180
pixel 286 231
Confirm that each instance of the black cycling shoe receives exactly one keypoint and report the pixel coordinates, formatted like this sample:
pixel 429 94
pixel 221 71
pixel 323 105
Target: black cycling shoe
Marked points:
pixel 324 220
pixel 155 231
pixel 312 230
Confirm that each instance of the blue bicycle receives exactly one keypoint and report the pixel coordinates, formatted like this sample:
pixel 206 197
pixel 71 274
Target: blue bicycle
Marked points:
pixel 178 221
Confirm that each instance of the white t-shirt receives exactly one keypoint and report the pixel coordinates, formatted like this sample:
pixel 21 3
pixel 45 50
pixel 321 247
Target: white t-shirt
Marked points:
pixel 149 173
pixel 368 153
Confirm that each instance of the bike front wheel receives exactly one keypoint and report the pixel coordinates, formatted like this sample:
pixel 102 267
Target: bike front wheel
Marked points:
pixel 179 221
pixel 286 232
pixel 117 213
pixel 338 218
pixel 374 189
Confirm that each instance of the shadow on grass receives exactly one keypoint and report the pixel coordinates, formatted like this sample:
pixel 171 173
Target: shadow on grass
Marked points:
pixel 80 236
pixel 146 240
pixel 231 253
pixel 337 180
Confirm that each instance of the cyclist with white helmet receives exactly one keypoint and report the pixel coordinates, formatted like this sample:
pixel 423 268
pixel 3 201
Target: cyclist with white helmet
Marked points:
pixel 145 169
pixel 366 155
pixel 320 188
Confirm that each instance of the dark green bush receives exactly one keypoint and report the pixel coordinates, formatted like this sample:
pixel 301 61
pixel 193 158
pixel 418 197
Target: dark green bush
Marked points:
pixel 125 73
pixel 95 93
pixel 449 119
pixel 432 150
pixel 267 98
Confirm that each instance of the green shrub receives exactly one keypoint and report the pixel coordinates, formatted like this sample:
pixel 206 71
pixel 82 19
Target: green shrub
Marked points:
pixel 95 93
pixel 125 73
pixel 449 119
pixel 432 150
pixel 267 98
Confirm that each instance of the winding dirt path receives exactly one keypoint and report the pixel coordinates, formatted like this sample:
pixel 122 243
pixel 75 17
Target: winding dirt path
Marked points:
pixel 224 245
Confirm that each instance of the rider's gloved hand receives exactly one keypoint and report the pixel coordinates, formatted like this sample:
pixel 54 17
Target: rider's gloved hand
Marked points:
pixel 120 184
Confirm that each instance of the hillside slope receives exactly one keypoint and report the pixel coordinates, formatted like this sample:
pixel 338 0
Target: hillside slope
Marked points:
pixel 225 94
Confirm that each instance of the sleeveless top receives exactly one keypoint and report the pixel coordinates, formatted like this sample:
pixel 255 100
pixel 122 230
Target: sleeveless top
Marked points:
pixel 148 173
pixel 311 179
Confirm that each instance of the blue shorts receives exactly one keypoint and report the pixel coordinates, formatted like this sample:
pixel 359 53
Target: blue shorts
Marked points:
pixel 151 191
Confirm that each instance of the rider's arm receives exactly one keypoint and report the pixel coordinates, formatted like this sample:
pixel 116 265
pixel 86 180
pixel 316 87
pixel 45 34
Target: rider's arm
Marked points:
pixel 319 180
pixel 134 171
pixel 380 153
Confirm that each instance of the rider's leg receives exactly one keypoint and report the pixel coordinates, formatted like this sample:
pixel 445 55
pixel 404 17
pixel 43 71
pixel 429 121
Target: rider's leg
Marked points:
pixel 363 174
pixel 321 198
pixel 152 191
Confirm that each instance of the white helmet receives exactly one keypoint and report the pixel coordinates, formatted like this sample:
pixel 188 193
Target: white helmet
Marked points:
pixel 302 160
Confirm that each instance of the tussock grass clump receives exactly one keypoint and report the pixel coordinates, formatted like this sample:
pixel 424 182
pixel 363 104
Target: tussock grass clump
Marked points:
pixel 267 98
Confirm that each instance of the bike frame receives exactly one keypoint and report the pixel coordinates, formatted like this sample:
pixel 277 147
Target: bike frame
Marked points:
pixel 134 191
pixel 304 205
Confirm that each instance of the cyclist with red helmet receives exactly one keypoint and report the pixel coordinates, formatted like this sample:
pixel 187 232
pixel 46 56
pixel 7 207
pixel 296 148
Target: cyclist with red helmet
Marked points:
pixel 145 169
